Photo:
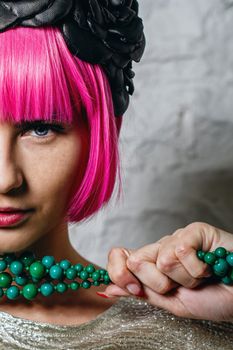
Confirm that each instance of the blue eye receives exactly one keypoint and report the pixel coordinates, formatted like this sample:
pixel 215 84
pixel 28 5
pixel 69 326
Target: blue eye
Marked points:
pixel 42 128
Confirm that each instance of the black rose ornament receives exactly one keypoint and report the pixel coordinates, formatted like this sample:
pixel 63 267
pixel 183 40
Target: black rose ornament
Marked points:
pixel 105 32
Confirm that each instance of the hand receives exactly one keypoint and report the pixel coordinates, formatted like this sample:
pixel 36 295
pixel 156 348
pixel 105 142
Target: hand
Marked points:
pixel 171 275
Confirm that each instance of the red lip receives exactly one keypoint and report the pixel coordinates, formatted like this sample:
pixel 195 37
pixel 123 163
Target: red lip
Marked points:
pixel 12 218
pixel 12 209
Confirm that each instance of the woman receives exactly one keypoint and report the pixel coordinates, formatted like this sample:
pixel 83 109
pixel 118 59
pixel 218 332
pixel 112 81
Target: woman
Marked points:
pixel 59 162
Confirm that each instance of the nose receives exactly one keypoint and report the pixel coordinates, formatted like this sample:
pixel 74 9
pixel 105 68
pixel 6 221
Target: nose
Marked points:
pixel 10 175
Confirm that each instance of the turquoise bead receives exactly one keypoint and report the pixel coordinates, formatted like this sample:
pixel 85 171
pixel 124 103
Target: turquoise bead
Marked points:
pixel 27 258
pixel 90 268
pixel 21 280
pixel 229 259
pixel 65 264
pixel 48 261
pixel 71 273
pixel 95 276
pixel 74 285
pixel 84 275
pixel 12 292
pixel 220 252
pixel 221 268
pixel 5 279
pixel 56 272
pixel 200 255
pixel 9 257
pixel 106 279
pixel 46 289
pixel 37 270
pixel 61 287
pixel 86 284
pixel 102 271
pixel 78 267
pixel 210 258
pixel 227 280
pixel 16 267
pixel 96 283
pixel 30 291
pixel 3 265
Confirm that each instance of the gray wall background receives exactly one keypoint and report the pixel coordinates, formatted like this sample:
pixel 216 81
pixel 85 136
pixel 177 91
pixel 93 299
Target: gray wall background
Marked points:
pixel 177 137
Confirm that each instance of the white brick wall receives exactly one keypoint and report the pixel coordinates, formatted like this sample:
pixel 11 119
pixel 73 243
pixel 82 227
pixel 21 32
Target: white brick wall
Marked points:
pixel 177 136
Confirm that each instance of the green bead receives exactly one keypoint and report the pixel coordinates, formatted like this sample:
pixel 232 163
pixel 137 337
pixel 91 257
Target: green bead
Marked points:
pixel 90 268
pixel 61 287
pixel 229 259
pixel 27 258
pixel 107 279
pixel 86 284
pixel 30 291
pixel 12 292
pixel 220 252
pixel 210 258
pixel 71 273
pixel 46 289
pixel 227 280
pixel 96 283
pixel 221 268
pixel 3 265
pixel 48 261
pixel 74 285
pixel 9 257
pixel 96 276
pixel 78 267
pixel 200 255
pixel 37 270
pixel 21 280
pixel 5 279
pixel 16 267
pixel 1 292
pixel 65 264
pixel 84 275
pixel 56 272
pixel 102 271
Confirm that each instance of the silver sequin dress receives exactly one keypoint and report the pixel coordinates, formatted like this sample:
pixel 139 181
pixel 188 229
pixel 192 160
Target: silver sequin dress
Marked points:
pixel 131 323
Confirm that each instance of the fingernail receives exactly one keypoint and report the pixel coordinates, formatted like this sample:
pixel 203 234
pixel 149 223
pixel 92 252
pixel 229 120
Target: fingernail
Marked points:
pixel 133 288
pixel 102 295
pixel 126 252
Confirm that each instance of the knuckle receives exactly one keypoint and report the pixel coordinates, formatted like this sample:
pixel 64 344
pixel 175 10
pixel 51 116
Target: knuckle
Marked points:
pixel 164 264
pixel 164 287
pixel 197 225
pixel 114 252
pixel 134 263
pixel 182 250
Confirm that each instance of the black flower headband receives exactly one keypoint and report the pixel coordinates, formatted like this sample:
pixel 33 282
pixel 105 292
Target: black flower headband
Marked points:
pixel 105 32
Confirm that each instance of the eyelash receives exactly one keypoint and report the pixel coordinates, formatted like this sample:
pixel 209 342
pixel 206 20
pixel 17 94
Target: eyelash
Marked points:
pixel 58 128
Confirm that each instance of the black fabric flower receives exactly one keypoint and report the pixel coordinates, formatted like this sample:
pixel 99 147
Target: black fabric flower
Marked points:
pixel 106 32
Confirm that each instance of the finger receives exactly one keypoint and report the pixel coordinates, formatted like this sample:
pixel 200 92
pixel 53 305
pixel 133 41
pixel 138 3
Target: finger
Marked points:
pixel 142 263
pixel 119 273
pixel 194 266
pixel 169 265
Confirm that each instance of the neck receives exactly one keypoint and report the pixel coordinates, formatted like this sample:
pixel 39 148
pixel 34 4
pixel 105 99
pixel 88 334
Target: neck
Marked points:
pixel 57 244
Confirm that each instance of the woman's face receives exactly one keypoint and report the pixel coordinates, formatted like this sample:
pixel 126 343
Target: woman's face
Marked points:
pixel 39 167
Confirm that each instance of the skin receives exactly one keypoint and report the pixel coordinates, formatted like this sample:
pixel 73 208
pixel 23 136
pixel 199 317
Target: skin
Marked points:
pixel 38 170
pixel 171 275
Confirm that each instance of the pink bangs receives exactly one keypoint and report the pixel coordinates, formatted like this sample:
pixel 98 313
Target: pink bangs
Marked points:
pixel 41 80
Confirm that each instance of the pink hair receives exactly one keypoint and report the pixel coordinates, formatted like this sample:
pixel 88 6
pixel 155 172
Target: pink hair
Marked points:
pixel 41 79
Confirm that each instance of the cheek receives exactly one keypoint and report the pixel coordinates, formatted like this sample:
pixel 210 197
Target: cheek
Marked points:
pixel 55 173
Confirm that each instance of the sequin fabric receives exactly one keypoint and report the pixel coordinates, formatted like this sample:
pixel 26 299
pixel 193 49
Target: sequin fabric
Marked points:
pixel 131 323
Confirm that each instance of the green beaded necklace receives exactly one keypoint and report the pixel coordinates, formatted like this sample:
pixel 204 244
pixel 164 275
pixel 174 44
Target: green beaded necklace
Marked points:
pixel 221 263
pixel 38 276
